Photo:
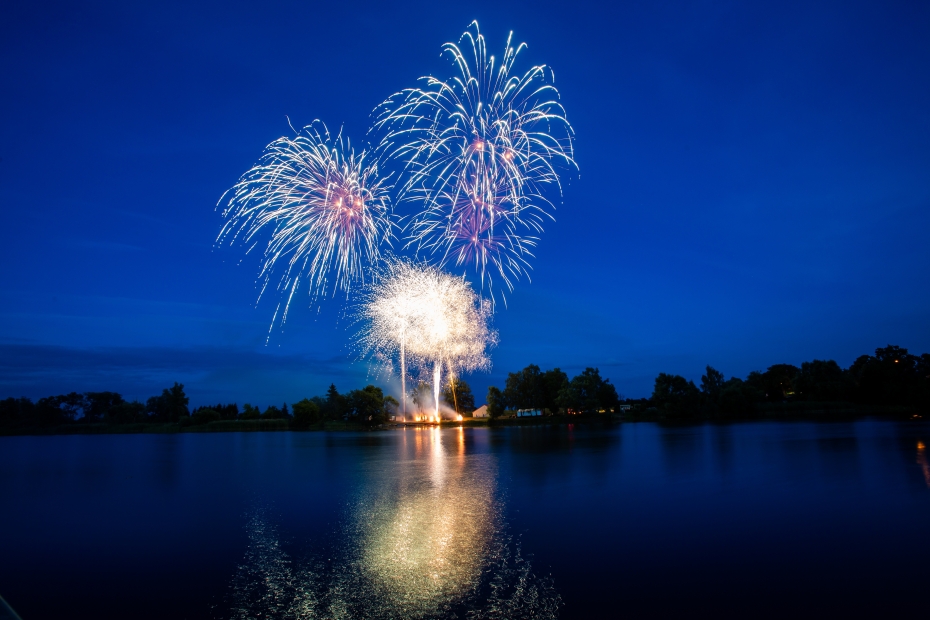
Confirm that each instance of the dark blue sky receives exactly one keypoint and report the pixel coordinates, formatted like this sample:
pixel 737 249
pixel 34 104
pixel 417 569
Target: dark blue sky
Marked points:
pixel 754 188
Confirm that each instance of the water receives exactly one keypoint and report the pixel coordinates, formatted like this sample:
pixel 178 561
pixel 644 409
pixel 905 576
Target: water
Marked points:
pixel 639 520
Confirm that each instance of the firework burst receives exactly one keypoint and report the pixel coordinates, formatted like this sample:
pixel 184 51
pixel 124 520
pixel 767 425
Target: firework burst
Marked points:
pixel 326 207
pixel 480 150
pixel 427 318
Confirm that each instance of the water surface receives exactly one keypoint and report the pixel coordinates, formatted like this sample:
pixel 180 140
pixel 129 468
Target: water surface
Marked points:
pixel 639 520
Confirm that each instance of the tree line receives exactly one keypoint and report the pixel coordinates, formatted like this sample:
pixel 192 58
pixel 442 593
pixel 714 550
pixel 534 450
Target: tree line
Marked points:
pixel 892 378
pixel 551 392
pixel 368 406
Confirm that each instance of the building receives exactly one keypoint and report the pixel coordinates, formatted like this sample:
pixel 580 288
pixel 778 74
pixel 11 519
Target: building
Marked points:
pixel 480 412
pixel 526 413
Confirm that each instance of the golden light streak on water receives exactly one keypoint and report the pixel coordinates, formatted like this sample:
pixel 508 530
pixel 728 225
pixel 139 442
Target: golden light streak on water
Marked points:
pixel 426 542
pixel 923 462
pixel 424 538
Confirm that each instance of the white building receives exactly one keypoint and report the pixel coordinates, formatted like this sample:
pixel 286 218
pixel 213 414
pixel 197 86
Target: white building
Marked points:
pixel 480 412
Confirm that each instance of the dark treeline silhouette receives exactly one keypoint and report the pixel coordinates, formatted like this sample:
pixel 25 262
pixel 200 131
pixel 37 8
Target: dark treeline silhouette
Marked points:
pixel 551 392
pixel 892 379
pixel 368 406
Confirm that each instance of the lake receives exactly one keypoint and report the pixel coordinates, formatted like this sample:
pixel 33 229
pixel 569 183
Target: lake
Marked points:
pixel 640 520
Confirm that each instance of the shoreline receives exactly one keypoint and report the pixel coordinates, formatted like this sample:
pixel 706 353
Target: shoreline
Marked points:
pixel 788 413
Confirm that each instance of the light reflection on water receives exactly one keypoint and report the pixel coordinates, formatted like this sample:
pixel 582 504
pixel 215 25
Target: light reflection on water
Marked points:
pixel 424 538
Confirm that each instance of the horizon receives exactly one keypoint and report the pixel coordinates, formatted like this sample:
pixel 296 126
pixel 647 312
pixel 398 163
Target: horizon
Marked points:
pixel 753 189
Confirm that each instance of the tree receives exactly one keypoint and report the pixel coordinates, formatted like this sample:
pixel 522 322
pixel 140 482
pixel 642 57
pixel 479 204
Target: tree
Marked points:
pixel 891 377
pixel 306 413
pixel 171 406
pixel 589 393
pixel 390 406
pixel 98 404
pixel 524 389
pixel 778 382
pixel 457 394
pixel 675 395
pixel 272 413
pixel 711 384
pixel 738 397
pixel 822 381
pixel 205 415
pixel 553 382
pixel 125 413
pixel 48 411
pixel 249 412
pixel 495 402
pixel 335 405
pixel 367 405
pixel 16 412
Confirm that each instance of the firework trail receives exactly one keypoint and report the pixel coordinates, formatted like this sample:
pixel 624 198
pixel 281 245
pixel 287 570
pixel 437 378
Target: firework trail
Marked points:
pixel 427 318
pixel 480 150
pixel 326 207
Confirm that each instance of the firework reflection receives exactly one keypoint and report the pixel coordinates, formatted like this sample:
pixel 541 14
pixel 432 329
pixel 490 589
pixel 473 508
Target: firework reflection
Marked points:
pixel 426 537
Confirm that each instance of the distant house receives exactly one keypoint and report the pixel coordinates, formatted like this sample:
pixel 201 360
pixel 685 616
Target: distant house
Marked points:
pixel 480 412
pixel 527 413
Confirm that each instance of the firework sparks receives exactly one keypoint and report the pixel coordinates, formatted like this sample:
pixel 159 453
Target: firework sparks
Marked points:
pixel 427 318
pixel 481 149
pixel 326 207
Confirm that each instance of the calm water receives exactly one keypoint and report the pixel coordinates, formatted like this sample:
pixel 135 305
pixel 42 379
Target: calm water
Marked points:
pixel 730 521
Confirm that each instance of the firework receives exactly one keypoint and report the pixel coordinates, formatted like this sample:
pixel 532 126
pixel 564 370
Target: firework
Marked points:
pixel 326 208
pixel 427 318
pixel 481 150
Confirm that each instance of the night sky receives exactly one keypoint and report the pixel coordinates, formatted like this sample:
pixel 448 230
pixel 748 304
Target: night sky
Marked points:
pixel 754 186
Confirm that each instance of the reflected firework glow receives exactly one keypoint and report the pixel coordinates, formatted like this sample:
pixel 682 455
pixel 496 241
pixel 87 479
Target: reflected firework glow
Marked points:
pixel 426 544
pixel 425 537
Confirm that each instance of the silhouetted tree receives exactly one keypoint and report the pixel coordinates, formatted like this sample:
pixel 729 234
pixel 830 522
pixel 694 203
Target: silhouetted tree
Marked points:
pixel 457 394
pixel 778 382
pixel 272 413
pixel 249 412
pixel 306 413
pixel 367 405
pixel 495 402
pixel 98 404
pixel 204 415
pixel 711 385
pixel 675 395
pixel 335 406
pixel 391 406
pixel 125 413
pixel 16 412
pixel 171 406
pixel 589 393
pixel 822 381
pixel 739 398
pixel 891 377
pixel 524 389
pixel 553 383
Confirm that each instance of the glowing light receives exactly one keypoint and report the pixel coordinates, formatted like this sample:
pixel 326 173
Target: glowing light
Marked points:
pixel 326 207
pixel 481 150
pixel 426 318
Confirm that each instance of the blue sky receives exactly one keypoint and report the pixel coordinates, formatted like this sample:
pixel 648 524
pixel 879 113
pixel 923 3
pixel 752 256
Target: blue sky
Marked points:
pixel 754 186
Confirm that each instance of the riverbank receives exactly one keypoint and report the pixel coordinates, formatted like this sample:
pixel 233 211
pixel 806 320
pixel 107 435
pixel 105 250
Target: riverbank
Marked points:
pixel 789 412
